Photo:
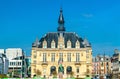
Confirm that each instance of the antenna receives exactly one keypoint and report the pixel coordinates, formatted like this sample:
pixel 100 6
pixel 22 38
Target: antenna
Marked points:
pixel 61 4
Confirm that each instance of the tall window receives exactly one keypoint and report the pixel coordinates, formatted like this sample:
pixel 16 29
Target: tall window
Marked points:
pixel 44 57
pixel 77 69
pixel 10 63
pixel 107 63
pixel 44 44
pixel 20 63
pixel 77 57
pixel 69 44
pixel 14 63
pixel 77 44
pixel 69 57
pixel 61 56
pixel 87 56
pixel 33 62
pixel 53 44
pixel 53 57
pixel 34 56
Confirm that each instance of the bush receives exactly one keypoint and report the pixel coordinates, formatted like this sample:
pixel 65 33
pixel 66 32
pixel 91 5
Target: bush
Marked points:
pixel 3 76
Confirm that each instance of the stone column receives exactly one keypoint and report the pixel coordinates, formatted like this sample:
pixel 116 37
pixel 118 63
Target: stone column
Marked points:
pixel 65 75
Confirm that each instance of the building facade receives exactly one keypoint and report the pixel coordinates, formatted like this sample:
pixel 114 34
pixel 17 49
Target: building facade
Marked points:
pixel 28 65
pixel 3 63
pixel 116 64
pixel 101 65
pixel 75 52
pixel 17 64
pixel 2 51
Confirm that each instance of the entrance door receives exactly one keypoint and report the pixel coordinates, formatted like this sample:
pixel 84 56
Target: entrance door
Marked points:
pixel 69 69
pixel 52 69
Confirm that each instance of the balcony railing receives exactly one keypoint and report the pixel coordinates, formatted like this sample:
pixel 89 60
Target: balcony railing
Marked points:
pixel 77 63
pixel 44 63
pixel 56 62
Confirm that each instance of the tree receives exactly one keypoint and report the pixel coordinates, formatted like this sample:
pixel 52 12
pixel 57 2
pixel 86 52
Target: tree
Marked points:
pixel 87 73
pixel 3 76
pixel 72 74
pixel 38 73
pixel 54 74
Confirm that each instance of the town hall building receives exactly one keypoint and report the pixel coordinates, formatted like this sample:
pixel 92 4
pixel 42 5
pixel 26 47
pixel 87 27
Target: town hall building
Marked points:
pixel 75 53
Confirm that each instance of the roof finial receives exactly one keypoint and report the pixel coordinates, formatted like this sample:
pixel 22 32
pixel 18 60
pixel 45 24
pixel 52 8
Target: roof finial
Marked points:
pixel 61 21
pixel 61 18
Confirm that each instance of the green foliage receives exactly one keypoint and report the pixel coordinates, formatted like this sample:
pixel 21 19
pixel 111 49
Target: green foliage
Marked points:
pixel 54 74
pixel 3 76
pixel 38 73
pixel 71 74
pixel 71 78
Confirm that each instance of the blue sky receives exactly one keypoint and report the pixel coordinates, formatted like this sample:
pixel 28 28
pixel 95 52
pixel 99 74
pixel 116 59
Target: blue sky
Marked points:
pixel 21 21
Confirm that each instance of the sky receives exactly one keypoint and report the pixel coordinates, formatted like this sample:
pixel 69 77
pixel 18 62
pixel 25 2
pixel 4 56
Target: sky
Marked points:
pixel 21 21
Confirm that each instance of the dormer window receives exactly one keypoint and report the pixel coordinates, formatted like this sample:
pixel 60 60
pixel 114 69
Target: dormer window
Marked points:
pixel 44 44
pixel 77 44
pixel 69 44
pixel 53 44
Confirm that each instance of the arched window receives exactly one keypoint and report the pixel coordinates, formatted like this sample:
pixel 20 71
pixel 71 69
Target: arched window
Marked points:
pixel 44 44
pixel 68 44
pixel 53 44
pixel 77 44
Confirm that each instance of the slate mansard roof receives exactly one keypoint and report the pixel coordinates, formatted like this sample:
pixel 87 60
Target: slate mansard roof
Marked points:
pixel 72 36
pixel 67 36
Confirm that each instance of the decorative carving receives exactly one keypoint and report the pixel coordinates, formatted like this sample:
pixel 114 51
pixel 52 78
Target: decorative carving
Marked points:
pixel 77 63
pixel 44 63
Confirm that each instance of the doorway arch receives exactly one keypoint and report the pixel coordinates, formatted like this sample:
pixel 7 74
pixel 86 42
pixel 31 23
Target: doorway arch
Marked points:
pixel 69 69
pixel 52 69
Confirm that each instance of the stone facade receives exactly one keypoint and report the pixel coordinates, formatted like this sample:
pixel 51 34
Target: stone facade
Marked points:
pixel 75 52
pixel 3 64
pixel 101 65
pixel 17 64
pixel 116 64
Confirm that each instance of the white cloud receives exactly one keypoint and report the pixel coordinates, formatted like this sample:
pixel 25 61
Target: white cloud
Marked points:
pixel 87 15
